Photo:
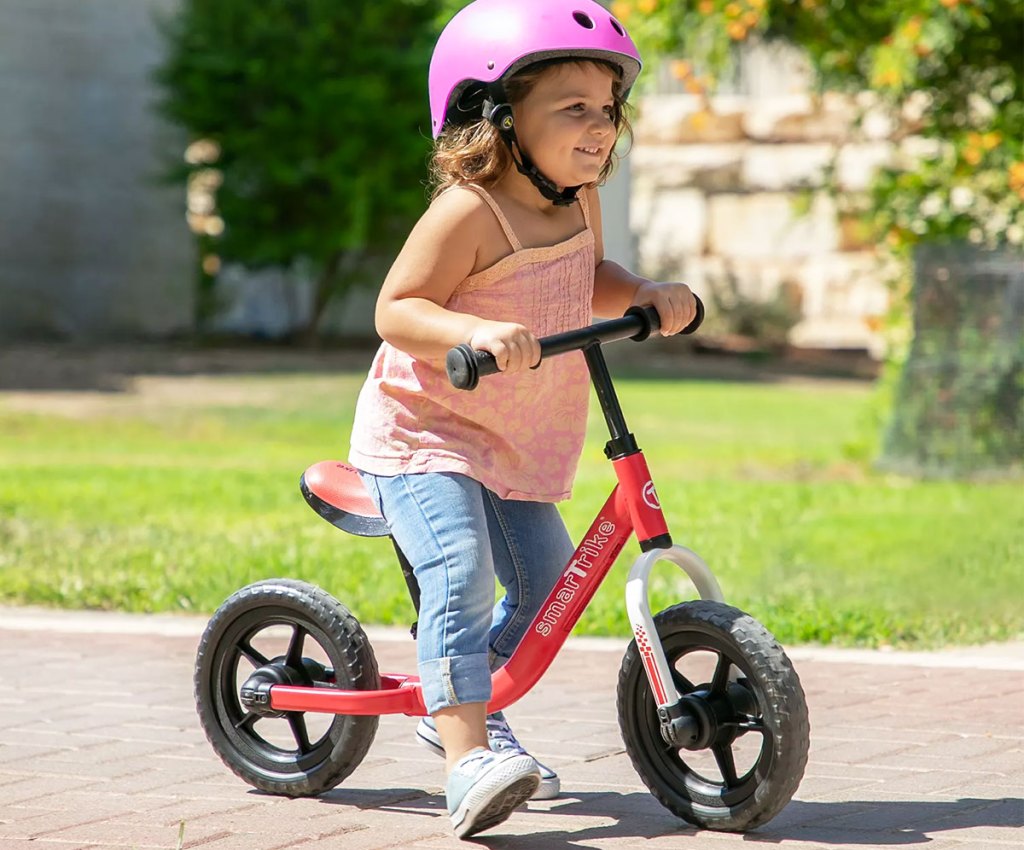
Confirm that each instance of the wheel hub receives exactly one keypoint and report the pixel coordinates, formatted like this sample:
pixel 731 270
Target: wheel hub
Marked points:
pixel 255 691
pixel 707 722
pixel 709 719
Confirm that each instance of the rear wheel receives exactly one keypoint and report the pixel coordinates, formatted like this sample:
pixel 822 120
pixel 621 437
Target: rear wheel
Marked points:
pixel 289 632
pixel 748 757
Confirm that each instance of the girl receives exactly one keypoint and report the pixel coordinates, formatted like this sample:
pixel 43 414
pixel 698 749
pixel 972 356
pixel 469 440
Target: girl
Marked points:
pixel 527 101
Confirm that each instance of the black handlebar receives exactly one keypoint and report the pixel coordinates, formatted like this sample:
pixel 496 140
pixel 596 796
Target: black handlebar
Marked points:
pixel 466 365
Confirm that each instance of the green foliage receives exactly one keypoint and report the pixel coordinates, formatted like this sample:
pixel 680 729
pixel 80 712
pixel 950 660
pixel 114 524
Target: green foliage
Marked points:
pixel 949 76
pixel 308 123
pixel 947 71
pixel 171 506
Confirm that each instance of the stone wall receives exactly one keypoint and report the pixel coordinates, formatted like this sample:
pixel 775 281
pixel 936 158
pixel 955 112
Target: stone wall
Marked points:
pixel 717 192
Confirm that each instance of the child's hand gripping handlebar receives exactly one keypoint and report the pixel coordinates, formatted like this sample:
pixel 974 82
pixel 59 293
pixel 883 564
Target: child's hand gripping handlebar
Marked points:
pixel 466 365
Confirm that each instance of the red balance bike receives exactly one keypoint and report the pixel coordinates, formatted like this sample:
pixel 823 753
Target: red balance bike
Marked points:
pixel 711 711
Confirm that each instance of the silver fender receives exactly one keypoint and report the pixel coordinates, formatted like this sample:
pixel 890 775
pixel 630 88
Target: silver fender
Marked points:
pixel 639 611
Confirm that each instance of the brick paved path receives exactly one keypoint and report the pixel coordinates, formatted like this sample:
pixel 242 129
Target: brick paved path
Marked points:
pixel 100 748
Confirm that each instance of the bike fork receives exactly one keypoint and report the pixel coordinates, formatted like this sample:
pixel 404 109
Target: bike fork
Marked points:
pixel 678 727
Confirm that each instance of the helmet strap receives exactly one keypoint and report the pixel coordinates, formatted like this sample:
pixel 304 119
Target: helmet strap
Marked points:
pixel 498 111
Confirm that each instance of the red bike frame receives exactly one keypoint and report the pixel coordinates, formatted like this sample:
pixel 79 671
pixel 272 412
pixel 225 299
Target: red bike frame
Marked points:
pixel 633 506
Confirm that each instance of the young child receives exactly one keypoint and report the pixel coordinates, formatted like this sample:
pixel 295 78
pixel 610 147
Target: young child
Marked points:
pixel 527 100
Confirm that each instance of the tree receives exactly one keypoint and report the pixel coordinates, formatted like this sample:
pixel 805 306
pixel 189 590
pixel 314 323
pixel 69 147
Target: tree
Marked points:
pixel 948 70
pixel 309 131
pixel 951 74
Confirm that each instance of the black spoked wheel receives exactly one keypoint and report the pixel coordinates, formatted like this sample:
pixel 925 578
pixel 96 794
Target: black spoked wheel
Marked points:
pixel 747 757
pixel 288 632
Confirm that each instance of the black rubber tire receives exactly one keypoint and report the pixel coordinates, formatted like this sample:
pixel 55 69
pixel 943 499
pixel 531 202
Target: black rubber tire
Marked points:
pixel 234 733
pixel 766 696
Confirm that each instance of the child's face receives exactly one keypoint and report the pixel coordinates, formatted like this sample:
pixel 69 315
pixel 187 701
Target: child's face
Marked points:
pixel 565 123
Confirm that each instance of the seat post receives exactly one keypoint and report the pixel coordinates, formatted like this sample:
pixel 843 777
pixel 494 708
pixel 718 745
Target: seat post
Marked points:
pixel 622 442
pixel 410 582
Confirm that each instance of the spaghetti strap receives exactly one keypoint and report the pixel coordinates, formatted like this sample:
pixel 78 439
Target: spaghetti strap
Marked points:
pixel 584 206
pixel 505 226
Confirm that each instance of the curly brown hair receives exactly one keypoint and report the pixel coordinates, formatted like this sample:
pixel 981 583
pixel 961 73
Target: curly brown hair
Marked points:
pixel 476 153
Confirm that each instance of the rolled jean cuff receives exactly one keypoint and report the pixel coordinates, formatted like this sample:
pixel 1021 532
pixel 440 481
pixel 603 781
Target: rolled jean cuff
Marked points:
pixel 455 680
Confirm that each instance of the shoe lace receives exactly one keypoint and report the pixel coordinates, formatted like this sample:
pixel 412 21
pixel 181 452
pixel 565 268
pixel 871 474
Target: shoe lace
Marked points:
pixel 467 763
pixel 501 737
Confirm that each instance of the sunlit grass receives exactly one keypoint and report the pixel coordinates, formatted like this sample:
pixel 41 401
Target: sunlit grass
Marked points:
pixel 170 500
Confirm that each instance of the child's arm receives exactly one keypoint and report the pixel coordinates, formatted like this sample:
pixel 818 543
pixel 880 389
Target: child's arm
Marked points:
pixel 438 255
pixel 616 289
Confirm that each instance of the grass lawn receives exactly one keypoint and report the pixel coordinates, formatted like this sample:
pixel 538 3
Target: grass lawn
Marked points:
pixel 171 497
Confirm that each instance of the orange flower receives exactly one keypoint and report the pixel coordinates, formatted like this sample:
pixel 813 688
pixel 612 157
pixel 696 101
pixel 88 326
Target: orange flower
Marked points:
pixel 1017 177
pixel 699 120
pixel 647 6
pixel 622 10
pixel 912 28
pixel 972 156
pixel 991 140
pixel 681 69
pixel 736 30
pixel 950 4
pixel 750 20
pixel 888 78
pixel 756 4
pixel 694 85
pixel 733 10
pixel 706 7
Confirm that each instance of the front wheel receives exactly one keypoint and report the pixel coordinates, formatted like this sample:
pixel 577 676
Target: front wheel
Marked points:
pixel 294 633
pixel 749 755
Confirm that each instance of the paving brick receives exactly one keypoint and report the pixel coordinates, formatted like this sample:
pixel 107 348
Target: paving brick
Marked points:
pixel 118 760
pixel 41 787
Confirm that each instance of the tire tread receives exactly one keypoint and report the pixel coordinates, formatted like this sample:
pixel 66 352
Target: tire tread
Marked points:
pixel 360 668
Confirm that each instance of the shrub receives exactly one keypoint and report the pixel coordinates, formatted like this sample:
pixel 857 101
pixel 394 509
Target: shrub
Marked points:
pixel 308 125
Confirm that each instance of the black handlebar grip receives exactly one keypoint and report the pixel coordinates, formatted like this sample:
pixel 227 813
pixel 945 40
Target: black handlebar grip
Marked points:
pixel 466 366
pixel 698 320
pixel 652 321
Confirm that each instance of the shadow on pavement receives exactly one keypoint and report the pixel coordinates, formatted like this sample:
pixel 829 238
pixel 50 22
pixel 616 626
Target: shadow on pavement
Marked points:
pixel 850 823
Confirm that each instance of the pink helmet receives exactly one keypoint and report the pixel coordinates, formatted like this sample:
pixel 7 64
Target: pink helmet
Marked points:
pixel 490 40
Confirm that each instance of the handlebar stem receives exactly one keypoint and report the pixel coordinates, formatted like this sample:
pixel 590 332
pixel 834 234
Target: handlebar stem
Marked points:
pixel 622 442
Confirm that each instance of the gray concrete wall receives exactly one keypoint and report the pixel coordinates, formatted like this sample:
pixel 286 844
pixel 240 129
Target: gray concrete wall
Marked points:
pixel 90 246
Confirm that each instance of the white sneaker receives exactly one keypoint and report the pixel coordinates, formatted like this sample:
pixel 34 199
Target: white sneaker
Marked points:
pixel 502 740
pixel 485 787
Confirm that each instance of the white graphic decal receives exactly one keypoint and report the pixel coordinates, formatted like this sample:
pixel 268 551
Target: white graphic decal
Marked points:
pixel 587 552
pixel 651 496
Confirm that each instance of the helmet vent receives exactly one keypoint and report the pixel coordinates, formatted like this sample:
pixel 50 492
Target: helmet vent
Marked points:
pixel 583 20
pixel 618 27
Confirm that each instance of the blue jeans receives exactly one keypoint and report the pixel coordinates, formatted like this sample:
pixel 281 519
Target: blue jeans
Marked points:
pixel 458 536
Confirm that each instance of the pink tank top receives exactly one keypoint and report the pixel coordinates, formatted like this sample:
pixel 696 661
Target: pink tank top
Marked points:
pixel 519 435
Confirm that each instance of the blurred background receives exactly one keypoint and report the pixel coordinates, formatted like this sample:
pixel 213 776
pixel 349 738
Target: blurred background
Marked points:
pixel 198 201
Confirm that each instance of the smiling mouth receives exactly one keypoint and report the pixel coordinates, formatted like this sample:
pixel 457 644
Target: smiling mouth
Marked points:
pixel 589 151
